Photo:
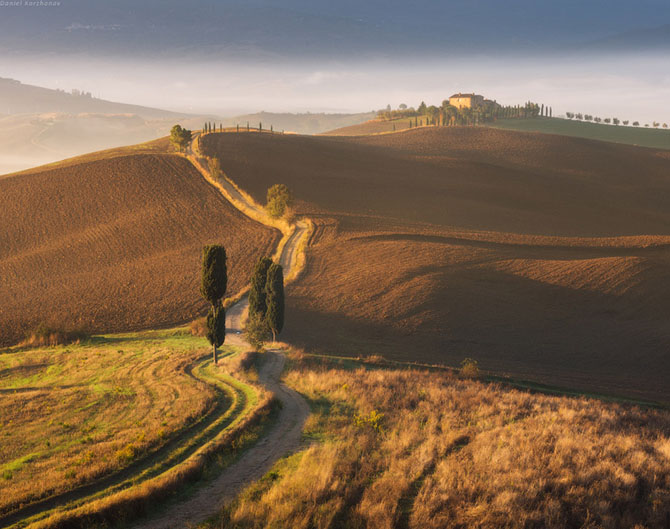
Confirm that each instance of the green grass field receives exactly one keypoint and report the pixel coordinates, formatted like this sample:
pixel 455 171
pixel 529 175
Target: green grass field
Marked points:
pixel 642 136
pixel 83 422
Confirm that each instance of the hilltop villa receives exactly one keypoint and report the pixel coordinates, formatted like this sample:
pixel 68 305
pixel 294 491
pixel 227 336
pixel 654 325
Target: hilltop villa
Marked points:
pixel 466 100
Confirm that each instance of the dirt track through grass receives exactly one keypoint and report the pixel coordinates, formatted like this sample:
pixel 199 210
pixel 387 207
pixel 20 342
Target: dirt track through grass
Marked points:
pixel 158 425
pixel 285 436
pixel 232 403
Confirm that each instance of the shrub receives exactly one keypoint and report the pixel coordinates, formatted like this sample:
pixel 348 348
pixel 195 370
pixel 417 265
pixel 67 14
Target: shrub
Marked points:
pixel 215 168
pixel 279 199
pixel 469 368
pixel 198 327
pixel 246 363
pixel 374 420
pixel 44 335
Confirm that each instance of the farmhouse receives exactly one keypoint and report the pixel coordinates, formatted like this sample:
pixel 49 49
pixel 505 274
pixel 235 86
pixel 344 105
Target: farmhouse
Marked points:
pixel 466 100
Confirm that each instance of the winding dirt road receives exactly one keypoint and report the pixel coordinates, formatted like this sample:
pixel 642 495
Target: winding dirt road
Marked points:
pixel 285 435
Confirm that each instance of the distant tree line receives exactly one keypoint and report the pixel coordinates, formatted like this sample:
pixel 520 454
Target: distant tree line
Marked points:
pixel 614 121
pixel 209 127
pixel 449 115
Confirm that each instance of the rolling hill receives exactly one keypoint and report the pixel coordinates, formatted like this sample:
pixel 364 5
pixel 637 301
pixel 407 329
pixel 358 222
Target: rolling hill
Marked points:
pixel 640 136
pixel 543 257
pixel 112 242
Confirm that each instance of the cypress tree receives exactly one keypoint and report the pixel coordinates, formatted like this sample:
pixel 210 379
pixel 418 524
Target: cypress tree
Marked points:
pixel 257 303
pixel 213 285
pixel 216 327
pixel 260 126
pixel 274 292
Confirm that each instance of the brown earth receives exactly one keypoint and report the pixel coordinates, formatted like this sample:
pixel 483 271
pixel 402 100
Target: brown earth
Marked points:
pixel 543 257
pixel 373 126
pixel 114 243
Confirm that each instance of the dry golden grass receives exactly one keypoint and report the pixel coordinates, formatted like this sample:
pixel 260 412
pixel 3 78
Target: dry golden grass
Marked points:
pixel 71 414
pixel 452 452
pixel 541 257
pixel 115 244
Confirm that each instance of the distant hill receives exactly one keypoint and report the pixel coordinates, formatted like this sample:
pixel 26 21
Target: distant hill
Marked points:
pixel 41 125
pixel 640 136
pixel 19 98
pixel 301 123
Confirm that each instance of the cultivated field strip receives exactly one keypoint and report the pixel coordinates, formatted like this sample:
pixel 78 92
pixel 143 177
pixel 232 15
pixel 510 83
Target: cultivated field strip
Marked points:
pixel 544 257
pixel 229 401
pixel 114 244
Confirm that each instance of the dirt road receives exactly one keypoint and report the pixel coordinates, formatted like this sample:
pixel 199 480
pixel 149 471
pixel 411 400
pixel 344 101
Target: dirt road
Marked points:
pixel 284 437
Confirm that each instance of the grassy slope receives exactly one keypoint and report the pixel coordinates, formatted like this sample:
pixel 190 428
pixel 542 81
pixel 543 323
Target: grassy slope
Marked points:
pixel 76 412
pixel 458 453
pixel 112 242
pixel 125 418
pixel 528 252
pixel 642 136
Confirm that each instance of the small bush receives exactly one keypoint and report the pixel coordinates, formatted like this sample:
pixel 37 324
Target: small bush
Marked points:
pixel 469 368
pixel 373 420
pixel 279 201
pixel 198 327
pixel 44 335
pixel 245 364
pixel 374 359
pixel 215 168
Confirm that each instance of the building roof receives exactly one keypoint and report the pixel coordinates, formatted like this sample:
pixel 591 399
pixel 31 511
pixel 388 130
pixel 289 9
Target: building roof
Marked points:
pixel 465 95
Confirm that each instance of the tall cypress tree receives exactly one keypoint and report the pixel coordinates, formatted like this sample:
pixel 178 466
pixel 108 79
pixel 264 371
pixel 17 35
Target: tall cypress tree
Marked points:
pixel 213 284
pixel 257 301
pixel 274 294
pixel 216 327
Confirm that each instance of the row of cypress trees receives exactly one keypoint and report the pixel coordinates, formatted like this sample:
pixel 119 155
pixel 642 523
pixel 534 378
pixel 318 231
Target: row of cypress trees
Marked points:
pixel 266 295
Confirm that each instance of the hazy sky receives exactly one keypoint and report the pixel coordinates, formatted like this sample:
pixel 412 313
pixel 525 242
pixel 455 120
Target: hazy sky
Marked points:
pixel 634 86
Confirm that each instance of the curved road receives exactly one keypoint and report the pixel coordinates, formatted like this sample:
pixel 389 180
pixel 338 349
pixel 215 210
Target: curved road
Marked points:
pixel 285 435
